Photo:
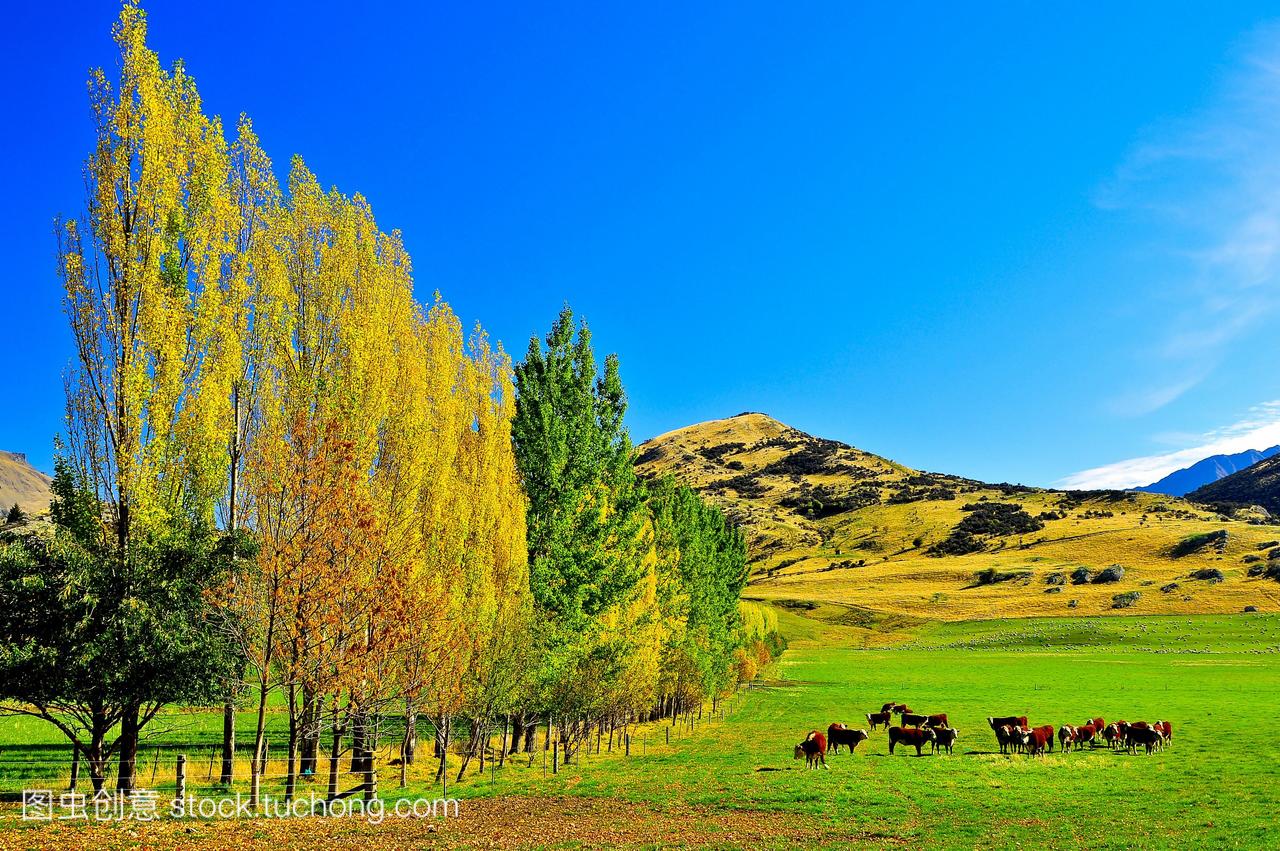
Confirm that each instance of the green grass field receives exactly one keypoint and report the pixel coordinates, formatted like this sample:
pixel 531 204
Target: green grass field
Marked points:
pixel 1214 677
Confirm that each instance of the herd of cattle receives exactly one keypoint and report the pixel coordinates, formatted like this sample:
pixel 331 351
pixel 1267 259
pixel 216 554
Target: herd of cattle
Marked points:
pixel 1012 732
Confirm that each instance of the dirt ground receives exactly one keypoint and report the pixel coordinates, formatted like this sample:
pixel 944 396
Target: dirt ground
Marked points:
pixel 502 823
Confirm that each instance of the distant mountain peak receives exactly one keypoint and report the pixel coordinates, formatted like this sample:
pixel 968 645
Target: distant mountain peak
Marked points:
pixel 22 484
pixel 1206 471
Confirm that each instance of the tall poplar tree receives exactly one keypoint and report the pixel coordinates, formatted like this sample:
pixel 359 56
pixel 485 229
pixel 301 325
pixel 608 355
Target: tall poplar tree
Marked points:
pixel 143 276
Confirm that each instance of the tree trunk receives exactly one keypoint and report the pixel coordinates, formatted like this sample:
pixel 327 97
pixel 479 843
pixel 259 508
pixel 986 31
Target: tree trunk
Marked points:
pixel 127 748
pixel 310 752
pixel 409 747
pixel 517 731
pixel 502 751
pixel 335 752
pixel 228 743
pixel 96 752
pixel 259 735
pixel 358 735
pixel 291 775
pixel 442 748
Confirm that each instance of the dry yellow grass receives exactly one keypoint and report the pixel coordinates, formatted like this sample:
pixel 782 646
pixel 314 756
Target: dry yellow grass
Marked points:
pixel 867 556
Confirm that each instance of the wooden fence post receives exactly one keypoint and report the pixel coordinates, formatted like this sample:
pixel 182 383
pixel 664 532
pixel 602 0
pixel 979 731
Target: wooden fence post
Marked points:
pixel 181 791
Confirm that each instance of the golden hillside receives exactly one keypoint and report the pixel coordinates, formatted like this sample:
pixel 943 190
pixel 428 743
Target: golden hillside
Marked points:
pixel 864 538
pixel 22 484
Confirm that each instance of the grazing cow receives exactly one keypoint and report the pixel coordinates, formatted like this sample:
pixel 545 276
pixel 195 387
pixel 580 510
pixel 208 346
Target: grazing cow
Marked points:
pixel 1011 720
pixel 1005 736
pixel 813 749
pixel 901 709
pixel 1085 735
pixel 879 719
pixel 939 720
pixel 1035 741
pixel 910 719
pixel 944 738
pixel 839 734
pixel 1066 735
pixel 889 707
pixel 915 738
pixel 1145 736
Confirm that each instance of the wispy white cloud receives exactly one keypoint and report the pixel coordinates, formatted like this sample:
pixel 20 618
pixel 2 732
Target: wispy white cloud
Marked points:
pixel 1213 180
pixel 1259 429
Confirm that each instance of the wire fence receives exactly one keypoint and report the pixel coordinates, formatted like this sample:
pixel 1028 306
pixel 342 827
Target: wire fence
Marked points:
pixel 56 768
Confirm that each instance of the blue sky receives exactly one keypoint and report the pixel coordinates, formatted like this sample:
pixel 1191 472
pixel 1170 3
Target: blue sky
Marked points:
pixel 997 241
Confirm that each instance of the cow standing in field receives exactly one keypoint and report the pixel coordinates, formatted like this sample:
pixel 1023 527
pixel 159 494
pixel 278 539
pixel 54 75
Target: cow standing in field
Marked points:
pixel 890 706
pixel 939 720
pixel 1005 737
pixel 839 734
pixel 1145 736
pixel 1096 723
pixel 1037 740
pixel 813 749
pixel 1114 734
pixel 916 738
pixel 944 738
pixel 901 709
pixel 1166 731
pixel 911 719
pixel 1085 735
pixel 879 719
pixel 1011 720
pixel 1066 735
pixel 1016 723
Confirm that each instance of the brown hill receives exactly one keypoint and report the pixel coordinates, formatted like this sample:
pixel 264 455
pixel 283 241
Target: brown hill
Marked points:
pixel 22 484
pixel 832 525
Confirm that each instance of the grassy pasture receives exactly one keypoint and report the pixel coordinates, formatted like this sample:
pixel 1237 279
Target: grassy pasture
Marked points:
pixel 1214 677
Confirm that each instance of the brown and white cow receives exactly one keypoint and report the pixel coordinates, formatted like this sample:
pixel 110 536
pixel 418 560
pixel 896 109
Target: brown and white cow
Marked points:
pixel 1066 735
pixel 1085 735
pixel 1005 736
pixel 911 719
pixel 889 707
pixel 1145 736
pixel 879 719
pixel 813 749
pixel 1037 740
pixel 915 738
pixel 1097 724
pixel 939 720
pixel 839 734
pixel 1166 730
pixel 1011 720
pixel 944 738
pixel 901 709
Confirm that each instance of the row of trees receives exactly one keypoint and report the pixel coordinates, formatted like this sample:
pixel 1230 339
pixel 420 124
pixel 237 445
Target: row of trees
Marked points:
pixel 281 474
